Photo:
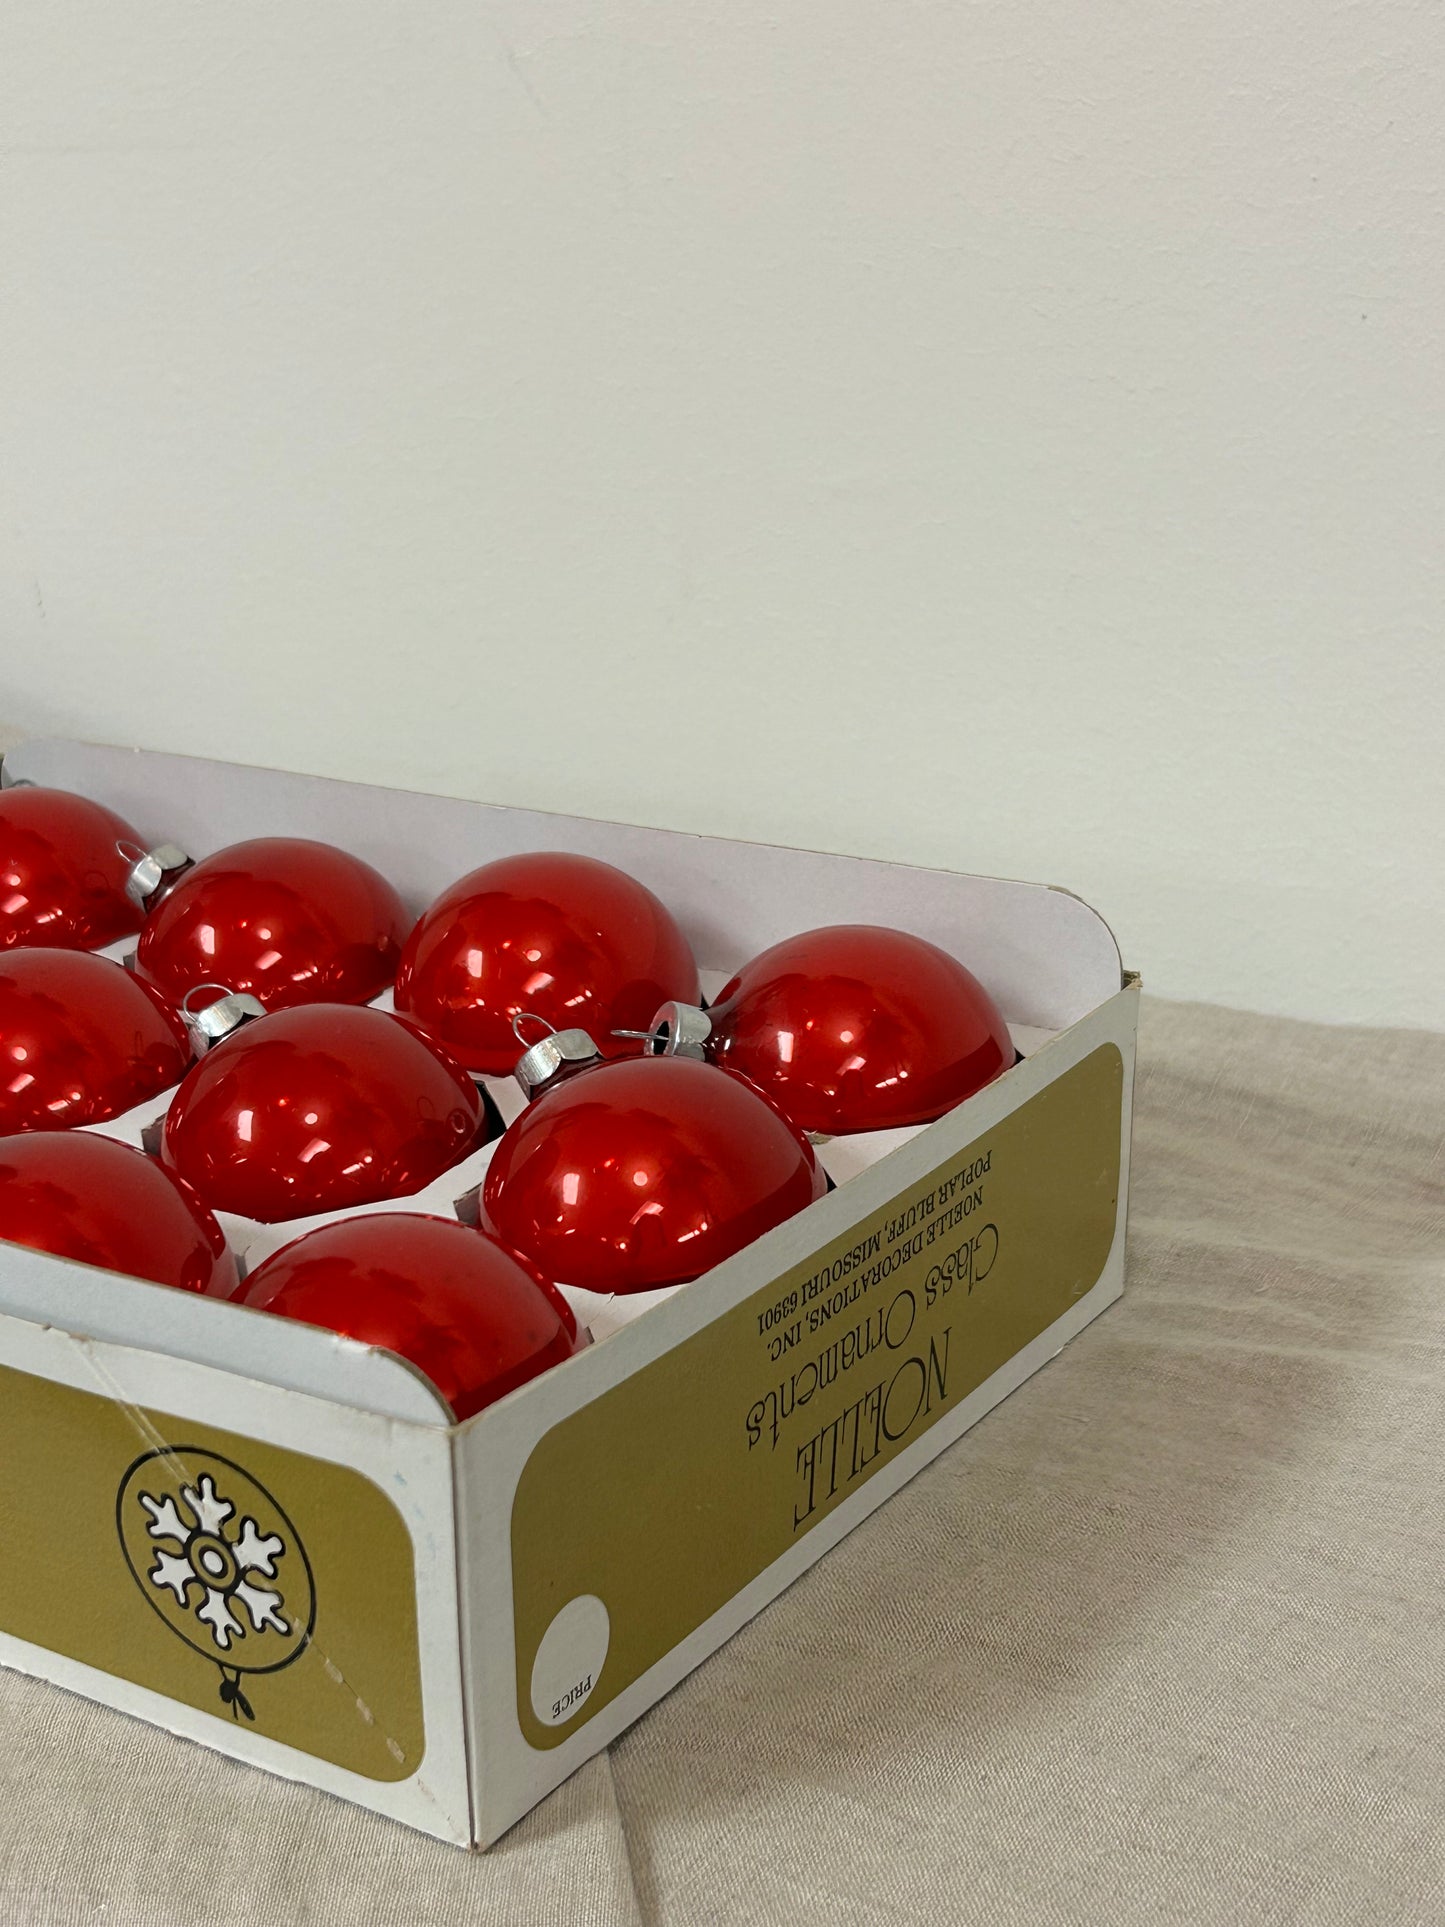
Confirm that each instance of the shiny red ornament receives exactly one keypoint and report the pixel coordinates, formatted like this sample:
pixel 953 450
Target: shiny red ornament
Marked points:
pixel 64 862
pixel 565 938
pixel 281 919
pixel 81 1041
pixel 643 1173
pixel 855 1027
pixel 320 1109
pixel 476 1319
pixel 86 1197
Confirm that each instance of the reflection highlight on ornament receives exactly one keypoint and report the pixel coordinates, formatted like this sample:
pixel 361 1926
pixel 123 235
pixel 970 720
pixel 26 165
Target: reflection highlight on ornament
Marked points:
pixel 84 1196
pixel 62 872
pixel 83 1039
pixel 577 938
pixel 849 1028
pixel 322 1107
pixel 476 1319
pixel 283 919
pixel 620 1180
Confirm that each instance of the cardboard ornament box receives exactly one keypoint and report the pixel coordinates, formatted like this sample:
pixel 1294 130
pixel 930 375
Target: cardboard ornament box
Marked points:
pixel 468 1612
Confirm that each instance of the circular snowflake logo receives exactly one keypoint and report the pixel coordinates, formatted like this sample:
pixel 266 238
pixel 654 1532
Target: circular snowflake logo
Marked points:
pixel 219 1561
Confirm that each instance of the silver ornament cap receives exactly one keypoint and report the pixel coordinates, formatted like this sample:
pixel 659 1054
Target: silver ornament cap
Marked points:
pixel 679 1030
pixel 221 1018
pixel 542 1061
pixel 153 873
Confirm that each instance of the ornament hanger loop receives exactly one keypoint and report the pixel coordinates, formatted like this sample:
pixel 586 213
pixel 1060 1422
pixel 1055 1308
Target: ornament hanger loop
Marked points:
pixel 188 1009
pixel 530 1017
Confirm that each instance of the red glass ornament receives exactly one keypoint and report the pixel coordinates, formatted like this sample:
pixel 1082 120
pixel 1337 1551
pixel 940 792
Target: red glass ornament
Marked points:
pixel 62 876
pixel 476 1319
pixel 320 1109
pixel 859 1028
pixel 281 919
pixel 87 1197
pixel 642 1173
pixel 566 938
pixel 81 1041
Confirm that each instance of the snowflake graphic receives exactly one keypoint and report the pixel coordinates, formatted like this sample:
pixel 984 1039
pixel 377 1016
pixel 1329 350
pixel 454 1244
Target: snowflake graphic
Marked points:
pixel 206 1552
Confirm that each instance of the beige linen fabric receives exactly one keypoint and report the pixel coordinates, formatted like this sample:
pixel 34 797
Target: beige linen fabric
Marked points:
pixel 1161 1640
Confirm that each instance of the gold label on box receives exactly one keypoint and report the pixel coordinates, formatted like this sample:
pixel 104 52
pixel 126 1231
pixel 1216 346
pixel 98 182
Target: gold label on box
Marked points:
pixel 642 1514
pixel 259 1584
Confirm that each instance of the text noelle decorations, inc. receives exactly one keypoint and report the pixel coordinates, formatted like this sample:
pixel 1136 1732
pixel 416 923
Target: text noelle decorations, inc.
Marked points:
pixel 910 1359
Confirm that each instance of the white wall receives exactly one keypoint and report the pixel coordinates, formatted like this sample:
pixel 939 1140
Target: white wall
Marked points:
pixel 1001 437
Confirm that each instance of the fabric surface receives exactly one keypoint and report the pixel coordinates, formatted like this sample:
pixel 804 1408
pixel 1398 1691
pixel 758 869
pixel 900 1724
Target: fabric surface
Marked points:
pixel 1161 1640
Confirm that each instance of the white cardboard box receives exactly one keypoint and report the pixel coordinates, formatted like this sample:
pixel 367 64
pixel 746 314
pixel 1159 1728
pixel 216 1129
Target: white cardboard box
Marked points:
pixel 468 1612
